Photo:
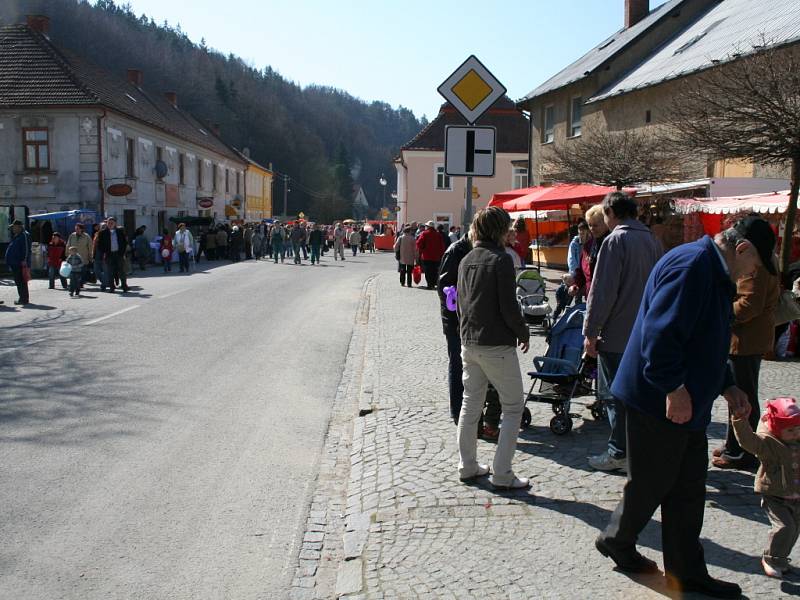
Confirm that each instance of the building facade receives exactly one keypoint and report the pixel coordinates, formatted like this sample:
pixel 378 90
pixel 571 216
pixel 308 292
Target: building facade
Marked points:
pixel 71 133
pixel 258 187
pixel 629 81
pixel 426 193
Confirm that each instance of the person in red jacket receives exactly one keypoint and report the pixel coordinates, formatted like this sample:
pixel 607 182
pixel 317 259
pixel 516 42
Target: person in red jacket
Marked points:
pixel 430 247
pixel 56 251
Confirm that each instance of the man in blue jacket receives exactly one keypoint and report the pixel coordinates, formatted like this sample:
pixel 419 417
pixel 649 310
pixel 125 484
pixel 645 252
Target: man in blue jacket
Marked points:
pixel 673 368
pixel 18 253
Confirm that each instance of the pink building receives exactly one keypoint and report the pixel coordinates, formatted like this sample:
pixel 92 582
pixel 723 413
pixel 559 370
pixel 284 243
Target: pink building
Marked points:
pixel 425 193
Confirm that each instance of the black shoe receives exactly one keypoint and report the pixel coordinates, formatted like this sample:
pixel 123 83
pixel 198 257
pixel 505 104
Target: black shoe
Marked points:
pixel 707 586
pixel 126 289
pixel 629 562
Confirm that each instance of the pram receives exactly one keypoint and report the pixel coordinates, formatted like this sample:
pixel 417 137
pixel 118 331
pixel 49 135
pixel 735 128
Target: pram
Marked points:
pixel 562 373
pixel 533 299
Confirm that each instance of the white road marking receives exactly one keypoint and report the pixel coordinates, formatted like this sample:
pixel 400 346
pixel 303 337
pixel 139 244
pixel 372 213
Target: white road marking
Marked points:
pixel 114 314
pixel 15 348
pixel 171 294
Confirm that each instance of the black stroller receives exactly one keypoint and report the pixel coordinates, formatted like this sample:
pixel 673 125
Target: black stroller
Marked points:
pixel 562 373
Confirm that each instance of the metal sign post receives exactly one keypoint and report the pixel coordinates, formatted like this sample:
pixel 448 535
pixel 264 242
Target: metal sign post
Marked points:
pixel 471 89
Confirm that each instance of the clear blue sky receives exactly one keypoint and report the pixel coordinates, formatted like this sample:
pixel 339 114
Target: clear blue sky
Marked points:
pixel 398 52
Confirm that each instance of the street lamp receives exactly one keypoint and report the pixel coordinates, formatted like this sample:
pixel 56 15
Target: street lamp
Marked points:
pixel 383 183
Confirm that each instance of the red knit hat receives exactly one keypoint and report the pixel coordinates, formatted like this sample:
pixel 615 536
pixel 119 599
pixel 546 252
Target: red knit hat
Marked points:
pixel 781 414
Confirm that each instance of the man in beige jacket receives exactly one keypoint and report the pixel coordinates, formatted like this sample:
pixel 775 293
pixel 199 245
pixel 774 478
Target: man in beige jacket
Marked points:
pixel 83 242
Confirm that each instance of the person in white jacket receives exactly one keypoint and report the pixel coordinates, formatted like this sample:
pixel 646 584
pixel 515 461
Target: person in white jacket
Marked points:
pixel 184 246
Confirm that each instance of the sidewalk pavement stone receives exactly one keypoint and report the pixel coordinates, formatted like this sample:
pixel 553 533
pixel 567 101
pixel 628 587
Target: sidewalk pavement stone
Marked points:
pixel 431 536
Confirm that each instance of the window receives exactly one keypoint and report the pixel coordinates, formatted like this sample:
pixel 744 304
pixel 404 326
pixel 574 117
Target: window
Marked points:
pixel 159 157
pixel 36 142
pixel 182 169
pixel 575 115
pixel 237 181
pixel 520 178
pixel 548 122
pixel 130 157
pixel 199 174
pixel 442 180
pixel 648 116
pixel 227 181
pixel 213 178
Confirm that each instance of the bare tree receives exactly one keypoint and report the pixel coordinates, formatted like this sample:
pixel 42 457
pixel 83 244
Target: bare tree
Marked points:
pixel 615 158
pixel 748 108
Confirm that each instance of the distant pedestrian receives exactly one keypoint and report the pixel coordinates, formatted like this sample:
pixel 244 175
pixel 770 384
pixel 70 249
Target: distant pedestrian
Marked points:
pixel 339 236
pixel 430 247
pixel 248 242
pixel 165 249
pixel 445 236
pixel 673 369
pixel 363 237
pixel 76 266
pixel 222 243
pixel 184 244
pixel 491 326
pixel 406 252
pixel 278 239
pixel 56 253
pixel 371 242
pixel 522 240
pixel 315 240
pixel 211 244
pixel 112 243
pixel 18 259
pixel 141 248
pixel 258 241
pixel 355 240
pixel 235 244
pixel 453 235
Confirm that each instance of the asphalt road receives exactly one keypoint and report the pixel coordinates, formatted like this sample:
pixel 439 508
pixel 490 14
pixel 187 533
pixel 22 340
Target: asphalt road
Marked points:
pixel 163 444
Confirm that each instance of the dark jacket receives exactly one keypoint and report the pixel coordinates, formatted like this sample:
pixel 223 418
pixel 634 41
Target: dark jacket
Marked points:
pixel 315 238
pixel 448 275
pixel 681 335
pixel 487 303
pixel 104 241
pixel 19 250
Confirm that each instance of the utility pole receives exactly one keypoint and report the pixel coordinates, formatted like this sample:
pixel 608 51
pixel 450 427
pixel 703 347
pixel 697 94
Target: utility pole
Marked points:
pixel 285 194
pixel 468 204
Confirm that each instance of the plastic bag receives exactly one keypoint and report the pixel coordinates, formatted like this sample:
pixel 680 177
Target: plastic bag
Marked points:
pixel 451 298
pixel 65 270
pixel 416 274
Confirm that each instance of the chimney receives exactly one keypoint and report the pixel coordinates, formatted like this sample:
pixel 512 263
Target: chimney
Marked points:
pixel 172 98
pixel 635 11
pixel 40 23
pixel 135 77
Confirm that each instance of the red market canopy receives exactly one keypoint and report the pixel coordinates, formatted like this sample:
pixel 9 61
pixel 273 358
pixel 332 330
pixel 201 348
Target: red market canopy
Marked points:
pixel 498 199
pixel 774 202
pixel 560 196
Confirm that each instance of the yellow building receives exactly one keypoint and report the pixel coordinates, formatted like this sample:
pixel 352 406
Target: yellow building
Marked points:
pixel 258 191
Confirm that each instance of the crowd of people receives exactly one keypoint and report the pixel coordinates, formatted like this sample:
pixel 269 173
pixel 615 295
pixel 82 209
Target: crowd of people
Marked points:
pixel 671 332
pixel 106 256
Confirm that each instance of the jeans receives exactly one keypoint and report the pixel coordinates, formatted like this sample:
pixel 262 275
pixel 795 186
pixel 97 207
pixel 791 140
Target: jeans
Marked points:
pixel 314 253
pixel 499 365
pixel 277 250
pixel 296 252
pixel 607 366
pixel 405 275
pixel 53 272
pixel 667 467
pixel 75 282
pixel 100 271
pixel 183 260
pixel 745 374
pixel 22 285
pixel 354 248
pixel 454 371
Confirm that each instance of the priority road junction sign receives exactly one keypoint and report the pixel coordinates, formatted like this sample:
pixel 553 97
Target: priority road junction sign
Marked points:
pixel 472 89
pixel 469 151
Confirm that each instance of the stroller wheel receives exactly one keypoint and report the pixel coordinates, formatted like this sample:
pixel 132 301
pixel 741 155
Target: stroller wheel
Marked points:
pixel 526 418
pixel 561 425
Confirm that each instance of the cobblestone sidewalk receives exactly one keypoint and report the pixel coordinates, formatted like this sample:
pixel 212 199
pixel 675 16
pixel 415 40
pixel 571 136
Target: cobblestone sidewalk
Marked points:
pixel 405 527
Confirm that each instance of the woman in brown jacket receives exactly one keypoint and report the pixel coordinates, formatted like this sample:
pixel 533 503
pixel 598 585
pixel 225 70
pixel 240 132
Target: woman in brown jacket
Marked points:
pixel 753 335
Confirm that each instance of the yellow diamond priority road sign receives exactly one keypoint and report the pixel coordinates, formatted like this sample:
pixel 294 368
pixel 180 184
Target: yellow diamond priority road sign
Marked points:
pixel 472 89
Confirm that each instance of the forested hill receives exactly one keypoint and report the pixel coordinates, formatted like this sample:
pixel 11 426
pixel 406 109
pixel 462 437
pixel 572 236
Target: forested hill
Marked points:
pixel 305 132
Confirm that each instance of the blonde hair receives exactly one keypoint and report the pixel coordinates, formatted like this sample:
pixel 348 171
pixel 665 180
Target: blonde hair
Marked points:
pixel 490 225
pixel 594 212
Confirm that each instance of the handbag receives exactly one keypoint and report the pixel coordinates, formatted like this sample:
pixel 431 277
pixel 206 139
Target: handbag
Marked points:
pixel 26 272
pixel 416 274
pixel 787 310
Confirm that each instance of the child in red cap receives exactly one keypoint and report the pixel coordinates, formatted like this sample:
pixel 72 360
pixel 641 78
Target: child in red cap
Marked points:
pixel 777 445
